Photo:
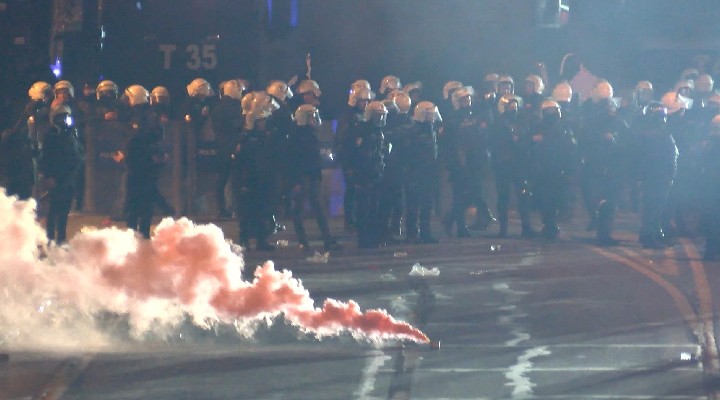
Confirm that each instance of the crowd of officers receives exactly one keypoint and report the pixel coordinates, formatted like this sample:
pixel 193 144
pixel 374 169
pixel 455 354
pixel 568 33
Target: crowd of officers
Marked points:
pixel 658 156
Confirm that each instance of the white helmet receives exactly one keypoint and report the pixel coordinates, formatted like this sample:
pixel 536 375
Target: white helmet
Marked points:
pixel 65 85
pixel 360 83
pixel 675 102
pixel 231 89
pixel 548 104
pixel 644 85
pixel 40 91
pixel 390 104
pixel 307 114
pixel 262 107
pixel 690 74
pixel 704 83
pixel 280 90
pixel 506 80
pixel 137 95
pixel 562 92
pixel 426 111
pixel 59 109
pixel 360 94
pixel 309 86
pixel 685 84
pixel 106 87
pixel 464 91
pixel 199 87
pixel 159 95
pixel 246 103
pixel 491 77
pixel 376 113
pixel 538 84
pixel 389 83
pixel 449 87
pixel 506 99
pixel 402 100
pixel 602 90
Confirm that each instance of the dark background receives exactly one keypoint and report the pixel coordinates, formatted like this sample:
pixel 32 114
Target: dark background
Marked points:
pixel 432 41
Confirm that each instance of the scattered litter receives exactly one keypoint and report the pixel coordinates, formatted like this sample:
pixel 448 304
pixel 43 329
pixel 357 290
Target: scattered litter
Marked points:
pixel 495 247
pixel 481 272
pixel 435 344
pixel 319 258
pixel 685 356
pixel 419 270
pixel 400 254
pixel 283 243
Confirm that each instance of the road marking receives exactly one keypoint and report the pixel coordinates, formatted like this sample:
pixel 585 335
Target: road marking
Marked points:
pixel 580 345
pixel 536 353
pixel 517 375
pixel 681 301
pixel 710 359
pixel 370 371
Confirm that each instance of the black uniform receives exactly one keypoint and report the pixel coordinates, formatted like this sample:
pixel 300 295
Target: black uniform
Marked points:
pixel 60 161
pixel 656 155
pixel 305 178
pixel 391 201
pixel 144 158
pixel 552 156
pixel 710 178
pixel 253 185
pixel 604 151
pixel 418 154
pixel 466 153
pixel 508 150
pixel 281 126
pixel 363 155
pixel 347 130
pixel 20 149
pixel 227 121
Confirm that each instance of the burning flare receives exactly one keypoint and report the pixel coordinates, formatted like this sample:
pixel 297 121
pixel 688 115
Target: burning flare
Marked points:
pixel 185 271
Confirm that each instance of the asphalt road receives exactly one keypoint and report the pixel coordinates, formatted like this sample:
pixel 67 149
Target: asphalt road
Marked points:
pixel 514 319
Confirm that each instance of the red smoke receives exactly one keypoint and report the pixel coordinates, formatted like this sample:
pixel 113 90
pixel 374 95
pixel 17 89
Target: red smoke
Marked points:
pixel 184 270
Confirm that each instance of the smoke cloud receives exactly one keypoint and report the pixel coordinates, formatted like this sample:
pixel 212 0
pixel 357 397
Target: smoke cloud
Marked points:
pixel 64 296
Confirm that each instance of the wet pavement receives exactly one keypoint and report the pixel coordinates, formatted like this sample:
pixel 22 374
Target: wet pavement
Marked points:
pixel 509 319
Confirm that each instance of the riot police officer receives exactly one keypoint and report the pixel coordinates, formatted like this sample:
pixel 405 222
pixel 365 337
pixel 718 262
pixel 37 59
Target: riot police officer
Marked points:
pixel 604 148
pixel 656 155
pixel 347 130
pixel 144 158
pixel 364 153
pixel 552 160
pixel 60 161
pixel 466 152
pixel 21 144
pixel 227 121
pixel 508 150
pixel 419 155
pixel 253 178
pixel 306 176
pixel 710 178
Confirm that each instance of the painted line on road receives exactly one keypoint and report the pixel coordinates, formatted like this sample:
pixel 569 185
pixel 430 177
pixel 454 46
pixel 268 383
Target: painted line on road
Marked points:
pixel 545 369
pixel 578 345
pixel 681 301
pixel 563 397
pixel 710 358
